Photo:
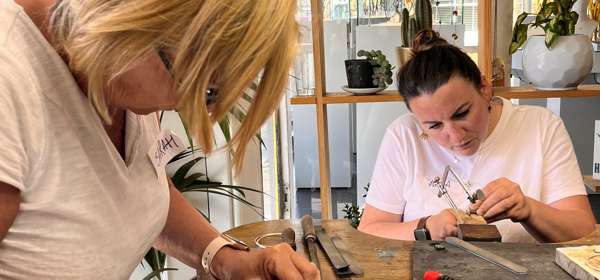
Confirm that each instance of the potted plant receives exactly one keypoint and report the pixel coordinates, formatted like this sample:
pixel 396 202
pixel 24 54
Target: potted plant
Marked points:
pixel 411 25
pixel 368 75
pixel 560 59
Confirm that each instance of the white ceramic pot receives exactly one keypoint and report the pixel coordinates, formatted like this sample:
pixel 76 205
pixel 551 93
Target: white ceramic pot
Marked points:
pixel 563 67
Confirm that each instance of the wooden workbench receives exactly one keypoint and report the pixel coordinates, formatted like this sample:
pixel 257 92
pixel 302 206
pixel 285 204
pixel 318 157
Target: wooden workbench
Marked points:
pixel 380 258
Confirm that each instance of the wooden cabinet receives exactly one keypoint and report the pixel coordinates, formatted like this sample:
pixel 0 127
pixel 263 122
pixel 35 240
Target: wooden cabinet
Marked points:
pixel 322 98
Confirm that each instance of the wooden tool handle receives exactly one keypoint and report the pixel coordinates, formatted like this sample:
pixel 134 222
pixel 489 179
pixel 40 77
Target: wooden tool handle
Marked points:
pixel 308 228
pixel 289 236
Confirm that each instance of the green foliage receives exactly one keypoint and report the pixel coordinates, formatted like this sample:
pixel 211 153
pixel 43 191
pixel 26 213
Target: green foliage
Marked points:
pixel 352 213
pixel 421 20
pixel 382 69
pixel 555 18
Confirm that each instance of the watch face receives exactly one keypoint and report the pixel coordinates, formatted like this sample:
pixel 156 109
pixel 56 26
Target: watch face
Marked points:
pixel 421 234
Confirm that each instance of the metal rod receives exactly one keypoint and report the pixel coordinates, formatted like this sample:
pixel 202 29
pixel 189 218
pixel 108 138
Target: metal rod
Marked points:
pixel 459 180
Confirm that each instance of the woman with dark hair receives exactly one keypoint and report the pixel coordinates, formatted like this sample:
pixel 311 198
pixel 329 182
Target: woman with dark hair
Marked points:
pixel 521 157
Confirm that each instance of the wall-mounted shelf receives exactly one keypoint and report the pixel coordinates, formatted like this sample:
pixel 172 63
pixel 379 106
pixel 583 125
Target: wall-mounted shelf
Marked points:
pixel 527 92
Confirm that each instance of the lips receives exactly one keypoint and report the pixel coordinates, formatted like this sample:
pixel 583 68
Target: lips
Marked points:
pixel 464 145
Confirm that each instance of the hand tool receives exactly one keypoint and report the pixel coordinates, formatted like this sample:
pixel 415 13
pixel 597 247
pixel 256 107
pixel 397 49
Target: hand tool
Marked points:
pixel 441 184
pixel 435 275
pixel 287 235
pixel 487 255
pixel 340 266
pixel 310 239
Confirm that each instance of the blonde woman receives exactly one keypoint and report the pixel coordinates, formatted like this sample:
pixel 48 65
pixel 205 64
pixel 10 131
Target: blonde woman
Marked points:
pixel 80 82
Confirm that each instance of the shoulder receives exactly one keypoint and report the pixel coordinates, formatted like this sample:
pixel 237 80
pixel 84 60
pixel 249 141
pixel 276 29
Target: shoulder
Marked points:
pixel 16 85
pixel 404 125
pixel 9 12
pixel 533 114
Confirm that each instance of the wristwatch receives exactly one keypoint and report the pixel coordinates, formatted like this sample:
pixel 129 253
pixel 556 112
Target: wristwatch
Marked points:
pixel 217 244
pixel 421 232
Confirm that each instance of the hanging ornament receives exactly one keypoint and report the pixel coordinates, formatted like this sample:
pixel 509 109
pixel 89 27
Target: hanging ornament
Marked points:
pixel 454 22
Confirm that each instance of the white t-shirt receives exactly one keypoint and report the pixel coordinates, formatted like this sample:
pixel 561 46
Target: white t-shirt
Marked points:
pixel 85 213
pixel 529 146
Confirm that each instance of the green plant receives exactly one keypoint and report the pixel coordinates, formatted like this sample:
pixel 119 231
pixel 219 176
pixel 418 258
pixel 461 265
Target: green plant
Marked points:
pixel 555 18
pixel 352 213
pixel 382 69
pixel 420 20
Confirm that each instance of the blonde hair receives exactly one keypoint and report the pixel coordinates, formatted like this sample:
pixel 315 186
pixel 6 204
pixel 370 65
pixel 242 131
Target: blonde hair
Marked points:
pixel 228 41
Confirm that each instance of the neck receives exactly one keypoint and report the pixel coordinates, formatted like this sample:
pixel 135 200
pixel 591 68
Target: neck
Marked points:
pixel 495 114
pixel 38 11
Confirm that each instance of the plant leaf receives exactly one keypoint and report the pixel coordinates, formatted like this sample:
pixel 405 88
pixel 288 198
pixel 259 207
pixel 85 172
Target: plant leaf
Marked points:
pixel 519 38
pixel 182 171
pixel 574 17
pixel 550 38
pixel 188 152
pixel 157 273
pixel 243 201
pixel 199 185
pixel 518 24
pixel 224 125
pixel 189 180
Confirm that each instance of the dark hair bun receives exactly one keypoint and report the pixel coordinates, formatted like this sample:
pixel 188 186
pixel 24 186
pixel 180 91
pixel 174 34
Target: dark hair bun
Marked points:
pixel 427 38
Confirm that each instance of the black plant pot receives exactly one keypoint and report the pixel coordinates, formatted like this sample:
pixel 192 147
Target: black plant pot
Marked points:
pixel 359 73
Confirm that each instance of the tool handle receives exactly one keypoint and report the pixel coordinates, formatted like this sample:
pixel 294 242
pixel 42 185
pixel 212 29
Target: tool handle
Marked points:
pixel 479 195
pixel 289 236
pixel 308 228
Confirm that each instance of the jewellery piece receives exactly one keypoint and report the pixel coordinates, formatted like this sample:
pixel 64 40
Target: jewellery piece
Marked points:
pixel 442 186
pixel 288 235
pixel 258 240
pixel 423 136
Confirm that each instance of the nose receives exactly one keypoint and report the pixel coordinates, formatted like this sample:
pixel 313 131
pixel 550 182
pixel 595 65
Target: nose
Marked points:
pixel 456 133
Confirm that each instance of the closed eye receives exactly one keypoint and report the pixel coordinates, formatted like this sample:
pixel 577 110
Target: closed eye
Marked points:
pixel 435 126
pixel 461 115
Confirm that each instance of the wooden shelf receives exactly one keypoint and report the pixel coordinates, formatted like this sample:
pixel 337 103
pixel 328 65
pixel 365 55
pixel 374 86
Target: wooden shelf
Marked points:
pixel 527 92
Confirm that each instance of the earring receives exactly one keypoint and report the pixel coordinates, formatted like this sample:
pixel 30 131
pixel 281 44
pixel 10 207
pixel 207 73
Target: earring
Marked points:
pixel 423 136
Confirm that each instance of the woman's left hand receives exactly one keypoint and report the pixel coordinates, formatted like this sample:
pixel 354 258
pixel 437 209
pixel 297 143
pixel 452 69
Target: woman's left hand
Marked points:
pixel 503 200
pixel 277 262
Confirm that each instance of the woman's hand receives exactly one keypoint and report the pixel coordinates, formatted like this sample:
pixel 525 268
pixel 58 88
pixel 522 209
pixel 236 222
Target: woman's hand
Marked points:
pixel 277 262
pixel 442 225
pixel 503 200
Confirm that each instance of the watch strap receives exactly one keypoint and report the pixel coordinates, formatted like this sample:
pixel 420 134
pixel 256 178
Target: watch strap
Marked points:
pixel 211 250
pixel 217 244
pixel 422 222
pixel 421 231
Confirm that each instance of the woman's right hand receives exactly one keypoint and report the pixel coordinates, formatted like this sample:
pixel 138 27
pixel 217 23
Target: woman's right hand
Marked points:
pixel 442 225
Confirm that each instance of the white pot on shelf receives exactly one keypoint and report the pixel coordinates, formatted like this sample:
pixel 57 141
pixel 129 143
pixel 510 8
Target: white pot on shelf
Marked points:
pixel 562 67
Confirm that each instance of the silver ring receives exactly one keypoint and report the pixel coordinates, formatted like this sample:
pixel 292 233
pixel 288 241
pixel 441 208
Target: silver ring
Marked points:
pixel 259 238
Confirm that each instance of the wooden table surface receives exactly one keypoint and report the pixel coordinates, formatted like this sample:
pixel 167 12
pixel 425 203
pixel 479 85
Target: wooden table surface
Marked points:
pixel 380 258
